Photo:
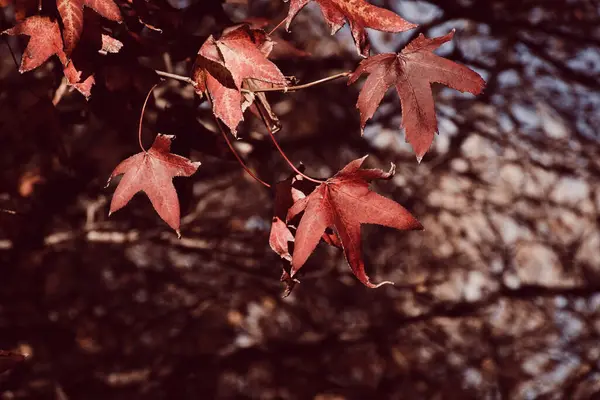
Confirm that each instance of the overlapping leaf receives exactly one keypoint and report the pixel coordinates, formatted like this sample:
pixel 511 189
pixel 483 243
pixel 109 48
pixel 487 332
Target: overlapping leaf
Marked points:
pixel 411 72
pixel 360 15
pixel 71 13
pixel 152 172
pixel 343 203
pixel 223 66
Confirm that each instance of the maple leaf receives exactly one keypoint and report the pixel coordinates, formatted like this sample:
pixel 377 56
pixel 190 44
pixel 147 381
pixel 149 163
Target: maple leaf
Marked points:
pixel 411 72
pixel 223 65
pixel 44 43
pixel 74 79
pixel 9 359
pixel 360 15
pixel 71 13
pixel 343 203
pixel 152 172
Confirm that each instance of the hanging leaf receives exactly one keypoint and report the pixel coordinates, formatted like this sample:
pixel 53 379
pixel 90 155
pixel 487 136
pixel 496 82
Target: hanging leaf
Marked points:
pixel 411 72
pixel 343 203
pixel 152 172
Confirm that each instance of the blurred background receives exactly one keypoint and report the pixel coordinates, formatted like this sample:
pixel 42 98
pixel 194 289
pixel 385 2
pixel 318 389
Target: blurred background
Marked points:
pixel 499 298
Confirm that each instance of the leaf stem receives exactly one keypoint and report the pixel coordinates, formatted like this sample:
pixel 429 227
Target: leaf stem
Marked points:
pixel 142 117
pixel 176 77
pixel 285 157
pixel 286 89
pixel 237 156
pixel 276 27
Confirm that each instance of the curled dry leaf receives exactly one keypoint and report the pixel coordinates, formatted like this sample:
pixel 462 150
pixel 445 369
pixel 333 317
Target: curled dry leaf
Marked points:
pixel 360 15
pixel 223 65
pixel 71 13
pixel 152 172
pixel 110 45
pixel 411 72
pixel 343 203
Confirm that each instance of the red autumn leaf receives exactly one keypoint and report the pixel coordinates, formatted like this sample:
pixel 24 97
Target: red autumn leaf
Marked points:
pixel 9 360
pixel 44 43
pixel 223 66
pixel 411 72
pixel 360 15
pixel 71 13
pixel 343 203
pixel 153 172
pixel 74 78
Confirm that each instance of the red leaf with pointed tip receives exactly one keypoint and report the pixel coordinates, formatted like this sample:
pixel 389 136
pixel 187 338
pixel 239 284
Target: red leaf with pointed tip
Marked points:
pixel 411 72
pixel 74 78
pixel 152 172
pixel 223 65
pixel 9 360
pixel 360 15
pixel 71 13
pixel 343 203
pixel 44 43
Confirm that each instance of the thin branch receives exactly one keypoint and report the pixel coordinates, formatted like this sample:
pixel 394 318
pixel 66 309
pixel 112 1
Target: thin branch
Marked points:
pixel 176 77
pixel 285 157
pixel 237 156
pixel 286 89
pixel 142 118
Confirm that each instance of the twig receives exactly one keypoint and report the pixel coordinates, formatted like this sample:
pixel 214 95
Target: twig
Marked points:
pixel 282 152
pixel 176 77
pixel 286 89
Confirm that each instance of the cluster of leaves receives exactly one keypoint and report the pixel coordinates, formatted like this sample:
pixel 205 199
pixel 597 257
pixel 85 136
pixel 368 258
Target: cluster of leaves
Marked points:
pixel 233 72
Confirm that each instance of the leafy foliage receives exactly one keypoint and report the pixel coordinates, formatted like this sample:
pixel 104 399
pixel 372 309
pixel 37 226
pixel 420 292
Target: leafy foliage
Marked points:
pixel 411 72
pixel 233 72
